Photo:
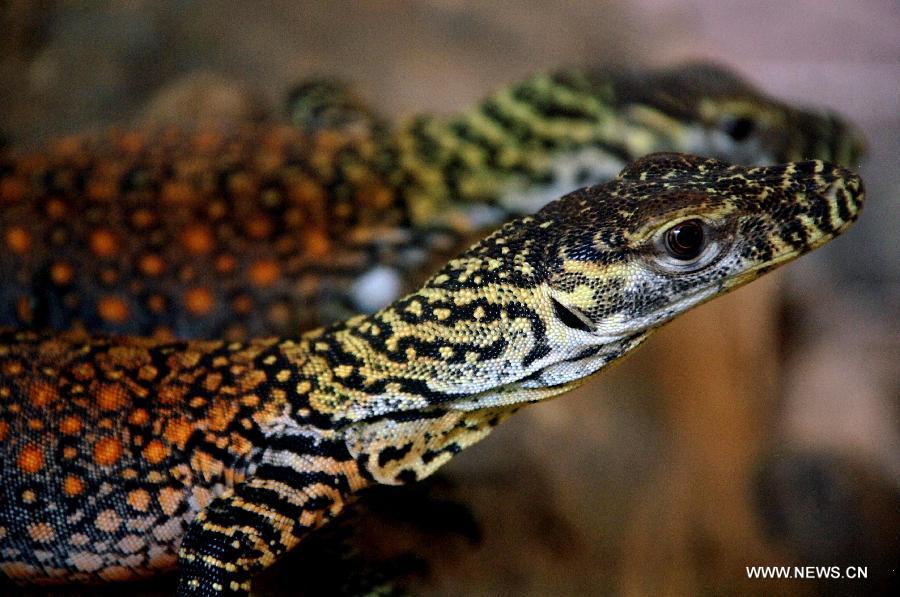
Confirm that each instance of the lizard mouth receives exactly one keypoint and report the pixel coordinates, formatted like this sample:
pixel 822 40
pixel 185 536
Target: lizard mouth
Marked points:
pixel 660 316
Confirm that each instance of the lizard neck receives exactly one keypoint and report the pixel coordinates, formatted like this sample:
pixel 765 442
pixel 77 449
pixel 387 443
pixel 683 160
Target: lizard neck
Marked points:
pixel 388 404
pixel 406 389
pixel 515 151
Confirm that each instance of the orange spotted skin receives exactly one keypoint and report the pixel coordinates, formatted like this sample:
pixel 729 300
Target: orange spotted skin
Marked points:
pixel 210 234
pixel 110 447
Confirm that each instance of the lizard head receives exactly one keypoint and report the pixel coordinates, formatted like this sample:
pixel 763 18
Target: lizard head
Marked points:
pixel 550 299
pixel 705 109
pixel 587 278
pixel 673 231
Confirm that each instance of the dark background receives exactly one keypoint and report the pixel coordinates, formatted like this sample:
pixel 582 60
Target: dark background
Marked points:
pixel 760 429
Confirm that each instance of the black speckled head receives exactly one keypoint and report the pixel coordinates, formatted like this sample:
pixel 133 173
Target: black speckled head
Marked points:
pixel 675 230
pixel 707 109
pixel 552 298
pixel 583 281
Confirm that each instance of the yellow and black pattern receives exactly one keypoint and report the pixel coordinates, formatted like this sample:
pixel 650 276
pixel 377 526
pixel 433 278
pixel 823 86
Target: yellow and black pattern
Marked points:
pixel 535 140
pixel 269 229
pixel 121 457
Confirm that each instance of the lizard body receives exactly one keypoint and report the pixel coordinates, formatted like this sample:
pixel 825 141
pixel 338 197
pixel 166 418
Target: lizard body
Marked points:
pixel 271 229
pixel 115 451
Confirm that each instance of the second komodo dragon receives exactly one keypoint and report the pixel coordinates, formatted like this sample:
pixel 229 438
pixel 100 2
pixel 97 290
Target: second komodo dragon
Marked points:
pixel 272 229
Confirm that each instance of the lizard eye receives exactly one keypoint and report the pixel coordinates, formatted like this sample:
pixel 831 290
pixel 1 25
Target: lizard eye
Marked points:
pixel 570 317
pixel 686 240
pixel 739 128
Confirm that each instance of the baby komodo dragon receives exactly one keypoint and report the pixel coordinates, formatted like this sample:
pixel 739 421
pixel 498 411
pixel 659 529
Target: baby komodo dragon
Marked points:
pixel 124 457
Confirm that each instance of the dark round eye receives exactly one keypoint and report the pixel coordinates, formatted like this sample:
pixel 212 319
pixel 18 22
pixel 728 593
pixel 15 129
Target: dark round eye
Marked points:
pixel 686 240
pixel 739 128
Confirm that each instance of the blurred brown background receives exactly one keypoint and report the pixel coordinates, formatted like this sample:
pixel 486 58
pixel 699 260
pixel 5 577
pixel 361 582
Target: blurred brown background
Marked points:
pixel 760 429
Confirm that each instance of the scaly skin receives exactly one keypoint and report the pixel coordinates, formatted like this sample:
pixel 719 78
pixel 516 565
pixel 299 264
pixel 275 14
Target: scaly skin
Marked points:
pixel 113 450
pixel 273 229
